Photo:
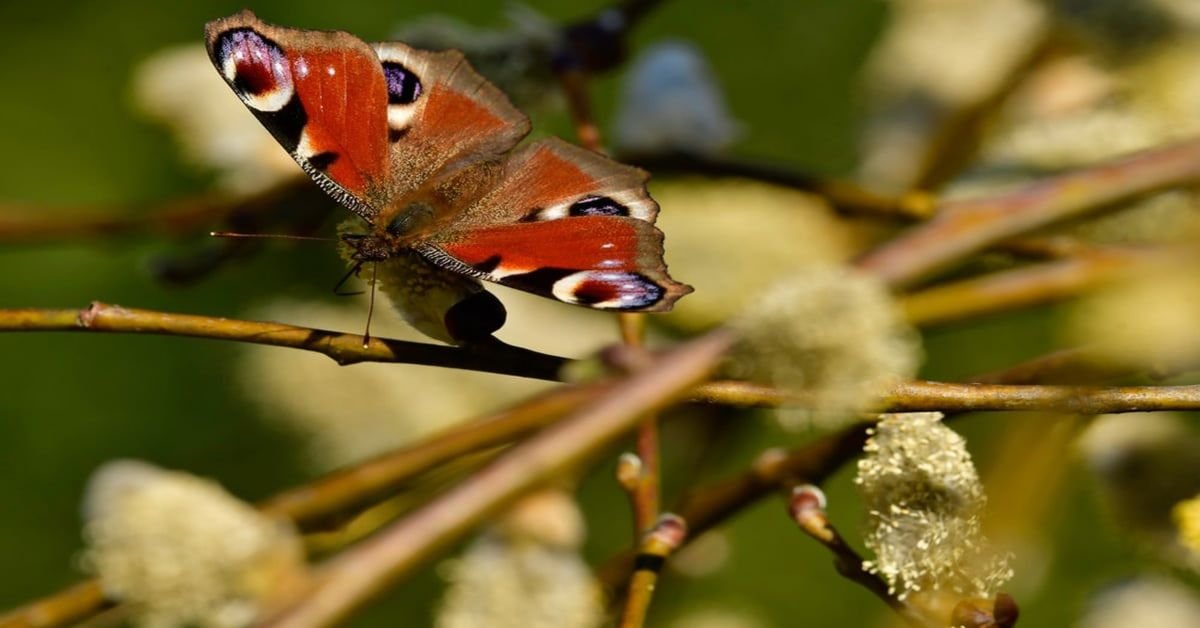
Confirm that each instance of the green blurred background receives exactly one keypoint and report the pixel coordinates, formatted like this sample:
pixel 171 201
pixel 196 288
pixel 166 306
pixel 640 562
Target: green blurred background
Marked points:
pixel 69 402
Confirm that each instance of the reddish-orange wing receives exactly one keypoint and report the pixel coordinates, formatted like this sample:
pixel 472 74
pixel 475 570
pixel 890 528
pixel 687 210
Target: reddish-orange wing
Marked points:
pixel 567 223
pixel 389 131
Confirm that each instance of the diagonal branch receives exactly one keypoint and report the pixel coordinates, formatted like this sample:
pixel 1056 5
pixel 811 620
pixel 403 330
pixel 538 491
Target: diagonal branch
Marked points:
pixel 1027 286
pixel 351 578
pixel 342 490
pixel 968 226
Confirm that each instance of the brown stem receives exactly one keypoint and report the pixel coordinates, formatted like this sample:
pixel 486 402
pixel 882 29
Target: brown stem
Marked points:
pixel 65 608
pixel 1077 365
pixel 1023 287
pixel 964 227
pixel 179 216
pixel 660 541
pixel 354 576
pixel 807 508
pixel 347 349
pixel 843 196
pixel 345 489
pixel 344 348
pixel 924 396
pixel 708 506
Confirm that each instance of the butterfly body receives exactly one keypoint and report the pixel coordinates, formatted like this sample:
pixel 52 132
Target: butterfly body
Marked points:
pixel 424 150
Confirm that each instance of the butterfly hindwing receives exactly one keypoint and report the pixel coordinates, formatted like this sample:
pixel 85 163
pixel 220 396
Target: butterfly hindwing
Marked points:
pixel 551 179
pixel 565 223
pixel 603 262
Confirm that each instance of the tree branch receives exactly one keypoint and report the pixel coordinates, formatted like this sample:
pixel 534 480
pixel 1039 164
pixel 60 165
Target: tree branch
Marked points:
pixel 923 396
pixel 1023 287
pixel 495 357
pixel 352 577
pixel 963 227
pixel 505 359
pixel 345 489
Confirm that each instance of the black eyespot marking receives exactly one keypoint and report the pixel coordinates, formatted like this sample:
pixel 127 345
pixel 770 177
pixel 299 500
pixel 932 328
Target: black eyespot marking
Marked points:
pixel 322 161
pixel 488 265
pixel 475 317
pixel 597 206
pixel 395 135
pixel 403 86
pixel 532 215
pixel 541 280
pixel 631 291
pixel 286 124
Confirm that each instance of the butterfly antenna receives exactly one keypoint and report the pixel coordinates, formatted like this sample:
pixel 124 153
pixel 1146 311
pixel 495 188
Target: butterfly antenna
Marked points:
pixel 337 288
pixel 371 305
pixel 267 236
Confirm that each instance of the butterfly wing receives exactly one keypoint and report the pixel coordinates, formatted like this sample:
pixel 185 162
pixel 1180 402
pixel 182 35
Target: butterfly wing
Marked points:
pixel 442 114
pixel 565 223
pixel 321 94
pixel 368 123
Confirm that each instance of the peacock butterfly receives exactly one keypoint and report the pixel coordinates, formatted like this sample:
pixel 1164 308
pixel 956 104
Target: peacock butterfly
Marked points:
pixel 423 149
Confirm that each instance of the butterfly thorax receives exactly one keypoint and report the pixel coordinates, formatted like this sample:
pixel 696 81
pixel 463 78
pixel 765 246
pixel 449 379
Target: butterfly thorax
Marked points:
pixel 392 232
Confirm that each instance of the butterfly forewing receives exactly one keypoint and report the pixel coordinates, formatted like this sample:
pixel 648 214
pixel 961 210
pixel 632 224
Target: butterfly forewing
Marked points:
pixel 321 94
pixel 442 115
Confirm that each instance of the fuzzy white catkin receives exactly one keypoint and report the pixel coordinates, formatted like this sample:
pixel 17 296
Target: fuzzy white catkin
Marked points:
pixel 525 572
pixel 670 101
pixel 923 499
pixel 1147 601
pixel 834 336
pixel 178 550
pixel 1144 465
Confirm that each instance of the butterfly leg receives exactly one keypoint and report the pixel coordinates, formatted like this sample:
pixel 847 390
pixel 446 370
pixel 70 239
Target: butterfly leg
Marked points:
pixel 337 288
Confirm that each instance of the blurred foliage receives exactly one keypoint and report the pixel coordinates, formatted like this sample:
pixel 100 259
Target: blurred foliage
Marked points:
pixel 70 402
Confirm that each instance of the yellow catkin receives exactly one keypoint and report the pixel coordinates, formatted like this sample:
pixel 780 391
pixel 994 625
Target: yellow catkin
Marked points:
pixel 923 499
pixel 178 550
pixel 831 334
pixel 525 572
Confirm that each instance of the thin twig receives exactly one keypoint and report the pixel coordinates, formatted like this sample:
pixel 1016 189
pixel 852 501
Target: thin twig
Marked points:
pixel 494 357
pixel 957 140
pixel 1077 365
pixel 65 608
pixel 807 508
pixel 963 227
pixel 345 489
pixel 347 349
pixel 660 541
pixel 924 396
pixel 843 196
pixel 349 579
pixel 180 216
pixel 706 507
pixel 1027 286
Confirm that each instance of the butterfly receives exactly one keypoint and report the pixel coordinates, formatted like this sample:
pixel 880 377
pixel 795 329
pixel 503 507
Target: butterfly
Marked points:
pixel 424 150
